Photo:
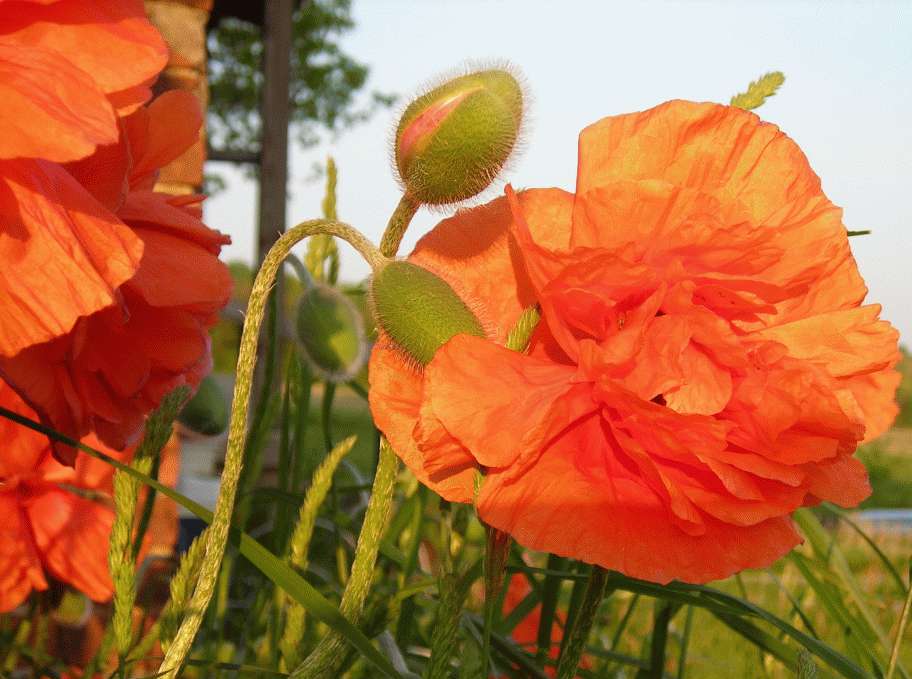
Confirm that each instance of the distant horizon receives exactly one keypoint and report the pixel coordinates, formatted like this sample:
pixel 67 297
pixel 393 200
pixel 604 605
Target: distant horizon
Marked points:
pixel 847 101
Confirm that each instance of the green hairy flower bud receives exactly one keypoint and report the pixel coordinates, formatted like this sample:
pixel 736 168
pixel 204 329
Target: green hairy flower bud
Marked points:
pixel 418 310
pixel 331 332
pixel 207 412
pixel 453 141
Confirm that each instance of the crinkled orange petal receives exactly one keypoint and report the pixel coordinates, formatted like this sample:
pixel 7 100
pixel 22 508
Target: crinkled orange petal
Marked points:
pixel 162 131
pixel 848 342
pixel 72 536
pixel 159 211
pixel 395 400
pixel 706 387
pixel 875 394
pixel 759 176
pixel 20 567
pixel 611 518
pixel 112 40
pixel 51 109
pixel 855 346
pixel 104 174
pixel 487 409
pixel 442 455
pixel 22 449
pixel 65 254
pixel 41 378
pixel 843 481
pixel 176 272
pixel 87 471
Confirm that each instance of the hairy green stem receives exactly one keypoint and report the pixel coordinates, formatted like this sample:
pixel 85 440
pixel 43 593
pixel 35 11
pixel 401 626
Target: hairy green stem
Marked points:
pixel 579 632
pixel 324 659
pixel 397 225
pixel 217 535
pixel 497 550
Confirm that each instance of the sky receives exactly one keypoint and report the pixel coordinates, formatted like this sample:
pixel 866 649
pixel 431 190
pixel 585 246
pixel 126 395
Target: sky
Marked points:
pixel 847 102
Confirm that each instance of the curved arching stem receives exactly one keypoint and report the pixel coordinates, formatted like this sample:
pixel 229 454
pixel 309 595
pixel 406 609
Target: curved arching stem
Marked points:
pixel 217 533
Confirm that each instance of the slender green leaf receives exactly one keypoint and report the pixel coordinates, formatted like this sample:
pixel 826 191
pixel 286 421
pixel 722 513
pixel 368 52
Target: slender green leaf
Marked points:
pixel 685 642
pixel 505 648
pixel 551 586
pixel 718 601
pixel 858 639
pixel 761 638
pixel 658 640
pixel 844 517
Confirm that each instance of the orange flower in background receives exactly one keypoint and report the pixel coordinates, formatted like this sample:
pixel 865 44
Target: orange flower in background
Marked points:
pixel 107 287
pixel 64 255
pixel 704 365
pixel 115 365
pixel 54 520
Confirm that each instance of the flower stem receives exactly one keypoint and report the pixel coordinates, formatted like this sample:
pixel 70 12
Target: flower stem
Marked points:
pixel 579 633
pixel 217 534
pixel 324 659
pixel 497 550
pixel 398 223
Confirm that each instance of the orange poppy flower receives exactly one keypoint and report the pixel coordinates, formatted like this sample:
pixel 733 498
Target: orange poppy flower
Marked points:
pixel 116 364
pixel 57 520
pixel 704 365
pixel 53 519
pixel 64 256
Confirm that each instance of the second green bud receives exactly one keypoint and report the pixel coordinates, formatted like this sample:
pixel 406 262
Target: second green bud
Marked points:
pixel 418 310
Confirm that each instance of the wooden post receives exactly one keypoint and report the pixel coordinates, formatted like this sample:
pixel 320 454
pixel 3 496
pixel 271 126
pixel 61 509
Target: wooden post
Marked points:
pixel 274 109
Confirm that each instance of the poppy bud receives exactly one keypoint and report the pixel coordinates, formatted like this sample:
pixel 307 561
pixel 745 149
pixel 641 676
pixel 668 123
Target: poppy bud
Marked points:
pixel 331 332
pixel 418 310
pixel 453 141
pixel 207 412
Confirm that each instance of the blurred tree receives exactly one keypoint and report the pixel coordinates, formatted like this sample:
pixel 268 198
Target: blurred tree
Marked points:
pixel 325 81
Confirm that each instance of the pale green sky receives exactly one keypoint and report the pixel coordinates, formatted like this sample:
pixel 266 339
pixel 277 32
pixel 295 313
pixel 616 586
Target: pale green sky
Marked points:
pixel 847 101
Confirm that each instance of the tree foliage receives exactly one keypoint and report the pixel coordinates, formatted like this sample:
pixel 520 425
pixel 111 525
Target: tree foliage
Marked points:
pixel 325 81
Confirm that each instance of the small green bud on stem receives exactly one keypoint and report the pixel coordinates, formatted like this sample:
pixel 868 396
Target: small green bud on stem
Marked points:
pixel 331 332
pixel 207 412
pixel 419 310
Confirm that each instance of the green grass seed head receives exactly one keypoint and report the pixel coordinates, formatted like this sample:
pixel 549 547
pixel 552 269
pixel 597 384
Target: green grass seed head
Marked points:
pixel 453 141
pixel 418 310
